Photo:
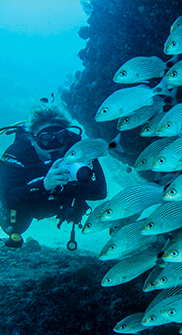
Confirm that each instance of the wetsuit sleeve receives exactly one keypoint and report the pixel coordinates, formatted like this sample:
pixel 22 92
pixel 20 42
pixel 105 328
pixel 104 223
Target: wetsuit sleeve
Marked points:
pixel 14 186
pixel 93 190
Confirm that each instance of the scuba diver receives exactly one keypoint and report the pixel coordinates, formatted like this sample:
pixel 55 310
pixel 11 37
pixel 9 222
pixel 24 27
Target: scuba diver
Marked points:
pixel 35 184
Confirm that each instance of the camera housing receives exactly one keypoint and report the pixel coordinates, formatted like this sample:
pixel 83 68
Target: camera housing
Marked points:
pixel 78 171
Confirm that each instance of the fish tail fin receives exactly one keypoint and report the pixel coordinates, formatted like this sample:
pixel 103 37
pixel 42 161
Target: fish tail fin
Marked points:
pixel 172 61
pixel 115 144
pixel 161 88
pixel 157 177
pixel 171 99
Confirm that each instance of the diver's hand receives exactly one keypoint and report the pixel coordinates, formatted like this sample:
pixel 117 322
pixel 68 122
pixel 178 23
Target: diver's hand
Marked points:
pixel 56 176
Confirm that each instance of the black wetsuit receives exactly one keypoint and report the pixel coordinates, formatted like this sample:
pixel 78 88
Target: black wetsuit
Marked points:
pixel 23 196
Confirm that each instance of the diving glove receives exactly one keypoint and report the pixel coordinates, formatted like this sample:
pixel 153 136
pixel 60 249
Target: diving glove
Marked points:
pixel 15 241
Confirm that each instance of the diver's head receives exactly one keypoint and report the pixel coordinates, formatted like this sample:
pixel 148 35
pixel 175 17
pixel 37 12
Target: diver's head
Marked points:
pixel 43 115
pixel 47 127
pixel 50 132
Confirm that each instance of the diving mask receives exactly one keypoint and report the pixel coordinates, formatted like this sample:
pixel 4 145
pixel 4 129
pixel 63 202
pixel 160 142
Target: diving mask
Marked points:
pixel 53 137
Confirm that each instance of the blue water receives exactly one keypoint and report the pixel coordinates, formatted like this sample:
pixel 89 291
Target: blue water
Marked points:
pixel 38 53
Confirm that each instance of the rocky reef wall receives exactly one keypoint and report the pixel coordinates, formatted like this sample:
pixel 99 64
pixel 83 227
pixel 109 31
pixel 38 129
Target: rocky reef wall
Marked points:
pixel 117 31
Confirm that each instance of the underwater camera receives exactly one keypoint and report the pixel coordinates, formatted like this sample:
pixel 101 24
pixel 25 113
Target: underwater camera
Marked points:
pixel 80 172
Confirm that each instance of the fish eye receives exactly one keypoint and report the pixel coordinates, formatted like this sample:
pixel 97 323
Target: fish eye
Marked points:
pixel 152 318
pixel 161 160
pixel 143 162
pixel 163 279
pixel 171 312
pixel 168 124
pixel 174 74
pixel 108 280
pixel 173 43
pixel 172 192
pixel 150 225
pixel 108 212
pixel 104 110
pixel 123 326
pixel 174 253
pixel 147 129
pixel 126 120
pixel 72 153
pixel 89 225
pixel 112 247
pixel 152 283
pixel 123 73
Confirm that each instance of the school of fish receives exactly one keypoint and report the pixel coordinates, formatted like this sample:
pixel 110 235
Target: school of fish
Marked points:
pixel 145 221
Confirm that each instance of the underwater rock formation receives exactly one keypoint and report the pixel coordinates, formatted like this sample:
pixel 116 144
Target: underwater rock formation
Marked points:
pixel 55 292
pixel 117 31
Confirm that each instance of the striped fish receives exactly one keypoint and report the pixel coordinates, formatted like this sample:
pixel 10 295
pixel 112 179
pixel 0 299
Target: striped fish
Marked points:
pixel 173 45
pixel 170 158
pixel 125 101
pixel 173 250
pixel 149 282
pixel 174 190
pixel 125 241
pixel 172 310
pixel 86 150
pixel 130 325
pixel 172 78
pixel 164 219
pixel 150 153
pixel 155 313
pixel 129 268
pixel 149 130
pixel 169 277
pixel 132 200
pixel 94 224
pixel 140 70
pixel 171 123
pixel 141 115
